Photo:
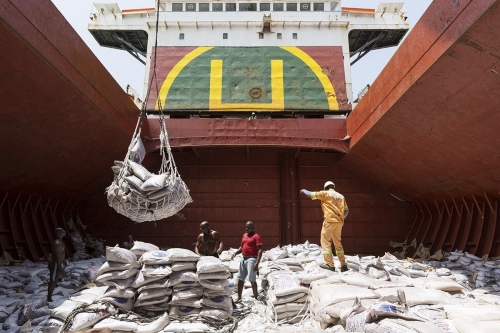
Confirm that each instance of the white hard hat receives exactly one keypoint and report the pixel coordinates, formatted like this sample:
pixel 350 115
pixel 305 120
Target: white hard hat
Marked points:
pixel 329 183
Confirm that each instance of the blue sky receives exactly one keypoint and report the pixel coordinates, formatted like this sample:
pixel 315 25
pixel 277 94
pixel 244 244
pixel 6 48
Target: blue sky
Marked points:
pixel 127 70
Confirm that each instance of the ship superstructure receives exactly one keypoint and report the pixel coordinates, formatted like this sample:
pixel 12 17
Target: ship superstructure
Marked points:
pixel 249 56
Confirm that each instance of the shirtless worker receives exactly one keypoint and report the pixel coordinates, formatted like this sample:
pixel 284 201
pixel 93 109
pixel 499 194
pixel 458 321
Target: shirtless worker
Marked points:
pixel 129 243
pixel 56 260
pixel 335 210
pixel 208 242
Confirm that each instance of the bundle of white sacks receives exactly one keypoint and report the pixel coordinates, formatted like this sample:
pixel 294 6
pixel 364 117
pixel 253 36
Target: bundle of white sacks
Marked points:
pixel 213 277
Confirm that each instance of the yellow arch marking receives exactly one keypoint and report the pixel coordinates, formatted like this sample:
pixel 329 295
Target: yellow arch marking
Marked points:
pixel 325 81
pixel 277 90
pixel 165 87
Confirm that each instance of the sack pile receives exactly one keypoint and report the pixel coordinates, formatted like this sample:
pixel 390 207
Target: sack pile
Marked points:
pixel 186 290
pixel 287 299
pixel 213 276
pixel 119 273
pixel 152 282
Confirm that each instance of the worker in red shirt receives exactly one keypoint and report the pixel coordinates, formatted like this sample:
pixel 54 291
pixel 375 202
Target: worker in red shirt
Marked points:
pixel 251 247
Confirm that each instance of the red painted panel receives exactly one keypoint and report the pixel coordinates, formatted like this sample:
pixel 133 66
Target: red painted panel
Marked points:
pixel 371 208
pixel 227 202
pixel 425 128
pixel 60 107
pixel 313 133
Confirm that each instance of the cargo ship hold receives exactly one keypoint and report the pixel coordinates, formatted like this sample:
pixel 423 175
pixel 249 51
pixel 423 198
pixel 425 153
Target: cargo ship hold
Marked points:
pixel 259 105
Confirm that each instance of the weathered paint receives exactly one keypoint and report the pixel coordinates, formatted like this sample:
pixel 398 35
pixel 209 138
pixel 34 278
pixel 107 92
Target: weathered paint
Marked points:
pixel 250 79
pixel 300 133
pixel 60 108
pixel 428 126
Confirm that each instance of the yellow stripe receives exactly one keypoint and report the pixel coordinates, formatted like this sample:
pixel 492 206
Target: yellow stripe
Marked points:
pixel 277 90
pixel 323 78
pixel 313 195
pixel 176 70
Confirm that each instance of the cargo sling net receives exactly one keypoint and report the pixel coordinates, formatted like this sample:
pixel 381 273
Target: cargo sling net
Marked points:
pixel 141 195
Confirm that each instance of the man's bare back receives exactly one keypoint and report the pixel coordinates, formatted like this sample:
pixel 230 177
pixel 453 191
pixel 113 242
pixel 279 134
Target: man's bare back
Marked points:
pixel 208 242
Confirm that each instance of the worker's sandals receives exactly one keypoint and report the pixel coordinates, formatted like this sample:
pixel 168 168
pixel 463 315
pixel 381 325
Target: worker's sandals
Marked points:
pixel 344 269
pixel 330 268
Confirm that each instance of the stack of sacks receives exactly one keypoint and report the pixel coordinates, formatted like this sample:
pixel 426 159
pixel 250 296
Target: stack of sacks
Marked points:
pixel 314 249
pixel 330 298
pixel 213 276
pixel 232 265
pixel 81 272
pixel 361 313
pixel 92 314
pixel 59 310
pixel 187 291
pixel 152 282
pixel 119 272
pixel 293 264
pixel 348 300
pixel 265 268
pixel 132 323
pixel 79 245
pixel 275 253
pixel 465 265
pixel 35 312
pixel 287 299
pixel 311 273
pixel 474 317
pixel 303 250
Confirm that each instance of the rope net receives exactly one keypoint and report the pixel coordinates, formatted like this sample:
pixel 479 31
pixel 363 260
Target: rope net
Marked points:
pixel 143 196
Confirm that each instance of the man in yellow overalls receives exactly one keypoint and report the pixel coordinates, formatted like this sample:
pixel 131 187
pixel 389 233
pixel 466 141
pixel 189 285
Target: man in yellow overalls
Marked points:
pixel 335 210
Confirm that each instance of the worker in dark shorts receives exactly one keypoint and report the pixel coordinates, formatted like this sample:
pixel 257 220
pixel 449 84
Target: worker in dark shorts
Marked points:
pixel 251 248
pixel 209 242
pixel 56 261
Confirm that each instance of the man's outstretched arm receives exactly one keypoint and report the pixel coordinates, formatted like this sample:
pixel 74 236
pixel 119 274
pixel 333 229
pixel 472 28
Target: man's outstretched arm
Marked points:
pixel 306 192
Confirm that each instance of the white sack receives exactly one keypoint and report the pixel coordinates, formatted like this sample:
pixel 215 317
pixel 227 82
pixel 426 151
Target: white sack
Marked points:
pixel 181 311
pixel 209 264
pixel 140 248
pixel 178 254
pixel 178 266
pixel 416 296
pixel 182 277
pixel 119 254
pixel 155 258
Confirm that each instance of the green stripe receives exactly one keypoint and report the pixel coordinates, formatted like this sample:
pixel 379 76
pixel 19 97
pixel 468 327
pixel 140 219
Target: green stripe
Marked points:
pixel 339 251
pixel 313 195
pixel 327 251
